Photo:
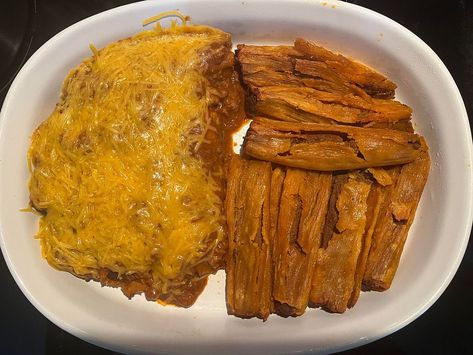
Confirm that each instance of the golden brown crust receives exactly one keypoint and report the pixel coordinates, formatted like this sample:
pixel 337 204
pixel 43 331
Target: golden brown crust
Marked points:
pixel 308 82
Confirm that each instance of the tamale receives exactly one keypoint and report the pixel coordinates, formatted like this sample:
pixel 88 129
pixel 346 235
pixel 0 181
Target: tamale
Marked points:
pixel 328 147
pixel 335 272
pixel 342 108
pixel 396 217
pixel 303 204
pixel 373 203
pixel 249 267
pixel 313 84
pixel 274 68
pixel 374 83
pixel 384 183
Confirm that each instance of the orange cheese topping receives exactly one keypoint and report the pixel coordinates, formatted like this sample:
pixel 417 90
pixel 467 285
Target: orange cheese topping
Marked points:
pixel 113 166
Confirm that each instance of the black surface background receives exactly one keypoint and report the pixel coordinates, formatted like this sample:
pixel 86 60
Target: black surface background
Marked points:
pixel 446 26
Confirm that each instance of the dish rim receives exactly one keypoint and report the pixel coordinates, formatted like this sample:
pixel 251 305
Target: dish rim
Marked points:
pixel 382 331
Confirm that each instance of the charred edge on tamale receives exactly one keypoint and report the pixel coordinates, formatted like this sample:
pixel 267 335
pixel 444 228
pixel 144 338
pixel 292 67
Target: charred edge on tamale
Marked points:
pixel 335 272
pixel 328 147
pixel 302 209
pixel 249 270
pixel 396 216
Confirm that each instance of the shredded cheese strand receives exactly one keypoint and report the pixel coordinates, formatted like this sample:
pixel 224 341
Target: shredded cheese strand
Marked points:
pixel 164 15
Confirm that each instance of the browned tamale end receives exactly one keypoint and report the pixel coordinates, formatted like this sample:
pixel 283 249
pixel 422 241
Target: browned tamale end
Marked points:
pixel 334 276
pixel 303 205
pixel 394 221
pixel 249 267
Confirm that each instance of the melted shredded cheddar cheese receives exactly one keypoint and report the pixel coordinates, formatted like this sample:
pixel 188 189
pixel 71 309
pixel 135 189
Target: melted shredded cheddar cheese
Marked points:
pixel 113 168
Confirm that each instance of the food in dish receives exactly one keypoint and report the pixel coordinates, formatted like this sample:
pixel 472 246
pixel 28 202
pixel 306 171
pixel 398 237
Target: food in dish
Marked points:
pixel 348 173
pixel 128 171
pixel 303 201
pixel 340 252
pixel 400 201
pixel 249 264
pixel 131 169
pixel 308 83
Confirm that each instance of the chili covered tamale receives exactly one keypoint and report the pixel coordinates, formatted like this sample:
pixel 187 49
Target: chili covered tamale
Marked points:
pixel 302 209
pixel 340 108
pixel 307 78
pixel 328 147
pixel 335 273
pixel 397 214
pixel 249 268
pixel 374 200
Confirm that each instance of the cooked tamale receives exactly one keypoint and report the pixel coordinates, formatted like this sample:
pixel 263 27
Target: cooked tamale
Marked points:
pixel 328 147
pixel 249 267
pixel 373 202
pixel 338 258
pixel 302 209
pixel 374 83
pixel 313 61
pixel 396 217
pixel 277 69
pixel 342 108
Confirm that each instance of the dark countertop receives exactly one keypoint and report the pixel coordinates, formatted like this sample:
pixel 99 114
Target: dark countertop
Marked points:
pixel 446 26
